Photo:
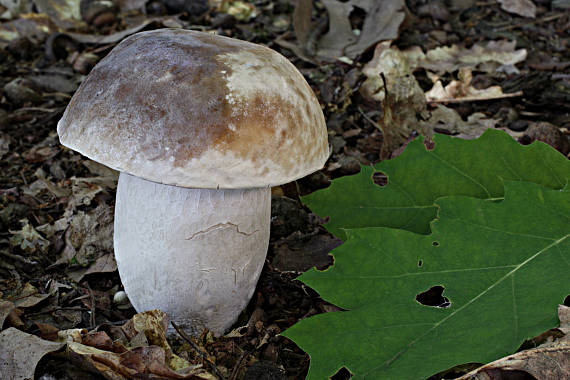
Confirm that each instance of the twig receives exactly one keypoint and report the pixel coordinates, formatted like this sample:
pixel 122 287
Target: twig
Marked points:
pixel 236 368
pixel 202 354
pixel 368 118
pixel 532 22
pixel 92 308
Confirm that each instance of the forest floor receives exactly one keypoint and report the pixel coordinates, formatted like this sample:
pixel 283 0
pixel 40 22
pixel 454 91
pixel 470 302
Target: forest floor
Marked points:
pixel 57 270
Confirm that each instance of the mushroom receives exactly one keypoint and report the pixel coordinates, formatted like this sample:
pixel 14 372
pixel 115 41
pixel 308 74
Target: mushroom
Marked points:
pixel 200 127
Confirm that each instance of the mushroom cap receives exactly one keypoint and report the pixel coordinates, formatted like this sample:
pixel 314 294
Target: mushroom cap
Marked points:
pixel 197 110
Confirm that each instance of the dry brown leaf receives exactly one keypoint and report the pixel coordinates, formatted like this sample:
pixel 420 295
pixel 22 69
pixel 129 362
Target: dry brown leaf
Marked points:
pixel 28 296
pixel 487 57
pixel 548 361
pixel 88 236
pixel 402 107
pixel 28 239
pixel 20 353
pixel 462 91
pixel 103 264
pixel 447 120
pixel 302 21
pixel 65 13
pixel 564 316
pixel 525 8
pixel 383 18
pixel 31 25
pixel 152 361
pixel 395 66
pixel 6 307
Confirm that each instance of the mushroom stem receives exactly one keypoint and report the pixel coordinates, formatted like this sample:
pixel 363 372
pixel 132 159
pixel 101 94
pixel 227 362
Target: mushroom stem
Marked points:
pixel 194 253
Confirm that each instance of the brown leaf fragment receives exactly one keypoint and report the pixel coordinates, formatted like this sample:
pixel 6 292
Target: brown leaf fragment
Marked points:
pixel 20 353
pixel 47 331
pixel 98 339
pixel 28 296
pixel 142 362
pixel 463 91
pixel 302 21
pixel 403 106
pixel 547 133
pixel 103 264
pixel 6 307
pixel 28 239
pixel 65 13
pixel 30 25
pixel 382 21
pixel 525 8
pixel 88 236
pixel 564 316
pixel 302 255
pixel 487 57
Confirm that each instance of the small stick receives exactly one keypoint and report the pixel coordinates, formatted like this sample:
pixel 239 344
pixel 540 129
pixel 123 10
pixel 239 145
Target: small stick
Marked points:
pixel 198 350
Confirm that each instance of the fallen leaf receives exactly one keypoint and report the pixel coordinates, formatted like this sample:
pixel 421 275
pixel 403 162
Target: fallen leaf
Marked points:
pixel 462 91
pixel 525 8
pixel 149 355
pixel 6 307
pixel 547 133
pixel 396 68
pixel 28 296
pixel 548 361
pixel 30 25
pixel 16 8
pixel 487 57
pixel 65 13
pixel 302 21
pixel 89 235
pixel 21 352
pixel 103 264
pixel 447 120
pixel 475 168
pixel 488 258
pixel 382 21
pixel 28 239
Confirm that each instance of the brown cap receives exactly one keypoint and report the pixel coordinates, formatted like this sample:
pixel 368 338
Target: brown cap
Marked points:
pixel 197 110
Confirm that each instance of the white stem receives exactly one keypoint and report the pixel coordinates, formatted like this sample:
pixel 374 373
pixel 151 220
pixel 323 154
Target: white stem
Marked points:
pixel 194 253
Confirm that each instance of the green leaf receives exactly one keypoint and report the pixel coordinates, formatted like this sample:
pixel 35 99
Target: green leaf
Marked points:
pixel 472 168
pixel 504 266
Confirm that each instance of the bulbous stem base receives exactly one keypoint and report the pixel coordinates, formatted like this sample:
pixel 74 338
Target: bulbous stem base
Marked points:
pixel 194 253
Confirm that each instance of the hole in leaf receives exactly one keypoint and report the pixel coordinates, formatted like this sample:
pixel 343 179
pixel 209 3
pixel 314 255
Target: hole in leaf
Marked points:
pixel 433 297
pixel 435 243
pixel 429 143
pixel 380 179
pixel 567 300
pixel 420 263
pixel 342 374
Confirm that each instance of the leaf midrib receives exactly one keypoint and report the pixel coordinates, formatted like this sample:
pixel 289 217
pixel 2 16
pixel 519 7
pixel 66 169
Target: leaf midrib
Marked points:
pixel 462 307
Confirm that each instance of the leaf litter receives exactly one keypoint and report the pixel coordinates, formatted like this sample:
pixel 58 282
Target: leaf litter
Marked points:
pixel 53 190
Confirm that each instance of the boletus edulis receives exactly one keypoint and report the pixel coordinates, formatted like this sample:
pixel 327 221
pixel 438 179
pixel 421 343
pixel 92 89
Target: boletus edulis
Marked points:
pixel 200 127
